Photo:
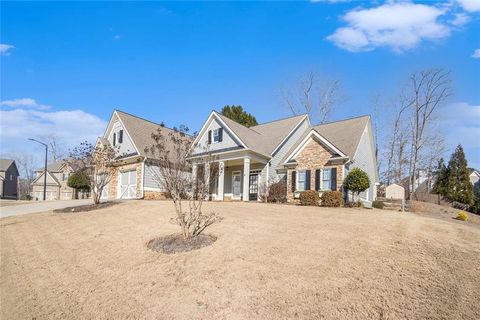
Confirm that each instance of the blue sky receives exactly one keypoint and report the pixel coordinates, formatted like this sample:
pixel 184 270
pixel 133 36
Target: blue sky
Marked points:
pixel 65 66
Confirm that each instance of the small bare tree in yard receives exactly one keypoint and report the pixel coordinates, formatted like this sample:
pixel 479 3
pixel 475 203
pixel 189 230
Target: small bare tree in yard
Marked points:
pixel 171 151
pixel 97 161
pixel 313 96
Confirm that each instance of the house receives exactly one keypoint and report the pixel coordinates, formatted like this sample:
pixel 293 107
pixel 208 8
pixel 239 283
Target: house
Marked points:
pixel 306 157
pixel 475 178
pixel 135 169
pixel 8 179
pixel 57 177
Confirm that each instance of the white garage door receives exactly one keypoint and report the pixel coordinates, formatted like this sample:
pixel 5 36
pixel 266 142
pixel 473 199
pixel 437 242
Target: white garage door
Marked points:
pixel 128 184
pixel 51 195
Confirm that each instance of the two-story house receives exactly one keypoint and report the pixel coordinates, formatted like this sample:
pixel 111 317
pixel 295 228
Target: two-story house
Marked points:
pixel 8 179
pixel 57 177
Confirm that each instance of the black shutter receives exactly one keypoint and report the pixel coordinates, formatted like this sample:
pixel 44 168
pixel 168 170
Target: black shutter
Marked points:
pixel 120 136
pixel 307 178
pixel 209 136
pixel 220 134
pixel 317 179
pixel 333 180
pixel 114 139
pixel 294 181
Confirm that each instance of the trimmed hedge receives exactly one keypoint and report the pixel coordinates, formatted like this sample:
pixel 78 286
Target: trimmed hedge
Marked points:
pixel 309 198
pixel 332 199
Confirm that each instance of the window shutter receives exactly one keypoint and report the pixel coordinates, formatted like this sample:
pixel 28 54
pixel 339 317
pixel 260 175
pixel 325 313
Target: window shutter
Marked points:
pixel 307 180
pixel 333 179
pixel 114 139
pixel 120 136
pixel 317 179
pixel 209 136
pixel 294 181
pixel 220 134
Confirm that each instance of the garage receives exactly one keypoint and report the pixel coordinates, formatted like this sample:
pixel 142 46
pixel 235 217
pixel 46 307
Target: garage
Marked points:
pixel 128 184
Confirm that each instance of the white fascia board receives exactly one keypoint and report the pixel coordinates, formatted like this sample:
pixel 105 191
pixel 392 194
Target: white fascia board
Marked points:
pixel 291 132
pixel 126 131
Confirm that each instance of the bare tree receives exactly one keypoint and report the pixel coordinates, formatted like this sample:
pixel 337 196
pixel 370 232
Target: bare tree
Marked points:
pixel 55 147
pixel 98 162
pixel 313 96
pixel 428 90
pixel 170 152
pixel 26 167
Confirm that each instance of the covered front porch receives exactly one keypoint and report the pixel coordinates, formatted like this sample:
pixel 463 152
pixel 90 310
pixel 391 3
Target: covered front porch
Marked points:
pixel 234 178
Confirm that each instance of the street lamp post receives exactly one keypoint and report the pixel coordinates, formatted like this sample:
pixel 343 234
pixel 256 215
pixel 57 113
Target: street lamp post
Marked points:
pixel 45 172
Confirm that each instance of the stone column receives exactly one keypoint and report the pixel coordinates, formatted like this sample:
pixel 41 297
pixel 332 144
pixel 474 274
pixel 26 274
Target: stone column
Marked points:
pixel 246 178
pixel 221 180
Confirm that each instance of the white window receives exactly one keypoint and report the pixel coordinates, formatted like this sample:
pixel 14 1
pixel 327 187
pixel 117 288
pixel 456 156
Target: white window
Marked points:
pixel 65 177
pixel 301 180
pixel 326 179
pixel 216 135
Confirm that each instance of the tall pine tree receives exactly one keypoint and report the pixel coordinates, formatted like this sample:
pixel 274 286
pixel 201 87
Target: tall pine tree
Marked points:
pixel 237 114
pixel 460 188
pixel 441 183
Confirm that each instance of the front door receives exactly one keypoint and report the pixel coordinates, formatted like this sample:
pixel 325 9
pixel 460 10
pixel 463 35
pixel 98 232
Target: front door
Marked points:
pixel 236 185
pixel 253 187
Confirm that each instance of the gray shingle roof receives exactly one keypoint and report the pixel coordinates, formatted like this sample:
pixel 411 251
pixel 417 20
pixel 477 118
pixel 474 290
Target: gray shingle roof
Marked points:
pixel 263 138
pixel 53 167
pixel 5 164
pixel 344 134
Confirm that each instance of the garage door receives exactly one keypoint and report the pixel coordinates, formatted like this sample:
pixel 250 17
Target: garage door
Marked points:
pixel 51 195
pixel 128 185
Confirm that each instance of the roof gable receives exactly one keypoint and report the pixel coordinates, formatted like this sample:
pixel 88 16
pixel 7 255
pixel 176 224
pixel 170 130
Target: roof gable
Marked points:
pixel 51 179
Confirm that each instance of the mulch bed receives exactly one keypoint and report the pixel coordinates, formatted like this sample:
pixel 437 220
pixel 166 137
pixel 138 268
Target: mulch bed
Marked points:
pixel 175 243
pixel 86 207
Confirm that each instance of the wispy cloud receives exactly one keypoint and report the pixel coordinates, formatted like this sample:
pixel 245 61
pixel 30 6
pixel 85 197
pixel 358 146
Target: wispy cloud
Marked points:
pixel 70 126
pixel 5 49
pixel 25 103
pixel 398 25
pixel 476 54
pixel 460 19
pixel 470 5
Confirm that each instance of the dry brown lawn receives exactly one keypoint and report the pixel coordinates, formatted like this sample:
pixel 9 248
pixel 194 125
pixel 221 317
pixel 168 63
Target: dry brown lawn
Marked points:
pixel 269 262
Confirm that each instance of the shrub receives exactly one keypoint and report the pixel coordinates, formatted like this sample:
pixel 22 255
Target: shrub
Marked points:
pixel 357 181
pixel 353 204
pixel 79 180
pixel 332 199
pixel 377 204
pixel 277 192
pixel 309 198
pixel 462 216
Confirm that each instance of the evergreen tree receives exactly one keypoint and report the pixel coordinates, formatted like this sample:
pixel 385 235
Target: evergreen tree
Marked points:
pixel 237 114
pixel 460 188
pixel 441 183
pixel 356 181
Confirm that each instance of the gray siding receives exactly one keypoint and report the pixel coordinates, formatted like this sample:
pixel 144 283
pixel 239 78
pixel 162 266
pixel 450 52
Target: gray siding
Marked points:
pixel 10 183
pixel 151 181
pixel 283 149
pixel 228 140
pixel 126 147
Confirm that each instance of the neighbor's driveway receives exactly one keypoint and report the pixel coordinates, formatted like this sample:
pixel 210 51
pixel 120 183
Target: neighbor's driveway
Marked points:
pixel 40 206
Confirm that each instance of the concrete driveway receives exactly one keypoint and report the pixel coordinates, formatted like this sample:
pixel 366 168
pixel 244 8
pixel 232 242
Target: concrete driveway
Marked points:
pixel 40 206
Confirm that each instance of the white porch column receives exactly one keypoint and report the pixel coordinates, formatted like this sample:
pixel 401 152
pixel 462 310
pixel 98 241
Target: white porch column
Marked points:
pixel 221 180
pixel 207 180
pixel 194 178
pixel 246 178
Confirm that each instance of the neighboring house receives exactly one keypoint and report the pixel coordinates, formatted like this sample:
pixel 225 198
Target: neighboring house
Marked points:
pixel 475 178
pixel 57 177
pixel 135 173
pixel 8 179
pixel 306 157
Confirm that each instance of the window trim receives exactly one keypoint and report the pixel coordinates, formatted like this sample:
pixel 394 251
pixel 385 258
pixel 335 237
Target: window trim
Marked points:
pixel 329 180
pixel 216 135
pixel 298 180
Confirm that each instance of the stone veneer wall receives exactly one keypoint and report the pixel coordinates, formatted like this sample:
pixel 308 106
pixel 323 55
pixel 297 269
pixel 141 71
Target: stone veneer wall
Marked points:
pixel 313 156
pixel 113 186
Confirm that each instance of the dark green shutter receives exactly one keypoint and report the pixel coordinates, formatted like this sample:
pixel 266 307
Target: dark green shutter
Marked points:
pixel 114 139
pixel 220 134
pixel 317 179
pixel 307 180
pixel 209 136
pixel 333 179
pixel 294 181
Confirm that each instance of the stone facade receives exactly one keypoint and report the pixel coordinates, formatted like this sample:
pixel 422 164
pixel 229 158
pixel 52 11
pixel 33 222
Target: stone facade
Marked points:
pixel 114 182
pixel 314 156
pixel 155 195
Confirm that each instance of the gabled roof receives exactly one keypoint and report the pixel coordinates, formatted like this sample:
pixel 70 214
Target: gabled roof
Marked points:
pixel 5 164
pixel 37 179
pixel 140 130
pixel 263 138
pixel 344 134
pixel 53 167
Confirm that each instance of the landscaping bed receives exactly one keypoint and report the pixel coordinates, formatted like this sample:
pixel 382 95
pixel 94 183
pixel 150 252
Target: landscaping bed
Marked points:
pixel 87 207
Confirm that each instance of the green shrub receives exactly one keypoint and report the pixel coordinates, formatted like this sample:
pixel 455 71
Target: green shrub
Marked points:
pixel 332 199
pixel 377 204
pixel 356 181
pixel 462 216
pixel 309 198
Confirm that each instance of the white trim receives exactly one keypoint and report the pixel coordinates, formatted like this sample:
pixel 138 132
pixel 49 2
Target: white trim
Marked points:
pixel 238 173
pixel 305 141
pixel 291 132
pixel 48 184
pixel 105 136
pixel 143 179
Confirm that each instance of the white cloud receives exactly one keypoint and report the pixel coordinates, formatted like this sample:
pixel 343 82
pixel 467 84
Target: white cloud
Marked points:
pixel 397 25
pixel 460 19
pixel 470 5
pixel 476 54
pixel 461 125
pixel 71 127
pixel 5 49
pixel 28 103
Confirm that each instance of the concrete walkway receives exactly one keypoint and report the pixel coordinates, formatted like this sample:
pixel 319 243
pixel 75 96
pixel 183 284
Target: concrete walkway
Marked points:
pixel 40 206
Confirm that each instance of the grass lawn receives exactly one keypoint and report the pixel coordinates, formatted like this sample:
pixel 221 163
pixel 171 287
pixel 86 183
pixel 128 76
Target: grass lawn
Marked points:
pixel 269 262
